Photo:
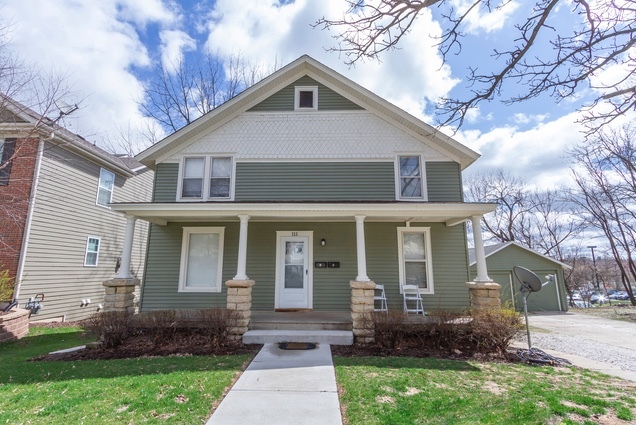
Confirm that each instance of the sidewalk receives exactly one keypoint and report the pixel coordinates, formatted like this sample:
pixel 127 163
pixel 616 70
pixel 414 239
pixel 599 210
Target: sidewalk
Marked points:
pixel 283 387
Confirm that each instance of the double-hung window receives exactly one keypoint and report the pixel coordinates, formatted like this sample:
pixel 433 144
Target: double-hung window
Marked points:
pixel 91 256
pixel 414 251
pixel 201 259
pixel 218 184
pixel 220 177
pixel 105 187
pixel 410 181
pixel 6 152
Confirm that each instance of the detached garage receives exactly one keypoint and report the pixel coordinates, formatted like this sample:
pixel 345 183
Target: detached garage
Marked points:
pixel 501 258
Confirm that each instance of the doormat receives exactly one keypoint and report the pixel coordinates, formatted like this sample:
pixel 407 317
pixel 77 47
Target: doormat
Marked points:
pixel 296 345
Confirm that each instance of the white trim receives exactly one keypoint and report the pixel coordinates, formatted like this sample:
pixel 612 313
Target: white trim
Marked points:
pixel 29 219
pixel 205 186
pixel 428 252
pixel 99 187
pixel 507 244
pixel 185 244
pixel 310 262
pixel 297 90
pixel 398 178
pixel 99 245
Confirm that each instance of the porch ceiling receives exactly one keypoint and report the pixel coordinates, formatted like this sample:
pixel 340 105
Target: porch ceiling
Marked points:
pixel 162 213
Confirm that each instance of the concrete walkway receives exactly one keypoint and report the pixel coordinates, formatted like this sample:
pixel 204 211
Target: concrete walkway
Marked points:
pixel 283 387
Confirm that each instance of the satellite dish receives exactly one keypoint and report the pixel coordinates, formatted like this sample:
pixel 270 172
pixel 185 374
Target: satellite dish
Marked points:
pixel 530 282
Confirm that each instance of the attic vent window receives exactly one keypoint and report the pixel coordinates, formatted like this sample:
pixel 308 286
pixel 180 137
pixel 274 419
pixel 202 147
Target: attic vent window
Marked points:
pixel 306 98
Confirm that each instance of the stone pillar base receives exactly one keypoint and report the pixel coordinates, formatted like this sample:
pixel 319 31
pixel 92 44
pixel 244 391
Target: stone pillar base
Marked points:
pixel 484 295
pixel 120 294
pixel 14 324
pixel 362 311
pixel 239 298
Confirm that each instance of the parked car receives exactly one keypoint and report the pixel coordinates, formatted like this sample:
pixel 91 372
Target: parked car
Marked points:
pixel 598 298
pixel 618 295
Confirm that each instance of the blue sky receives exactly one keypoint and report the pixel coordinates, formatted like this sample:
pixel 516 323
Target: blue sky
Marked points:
pixel 109 47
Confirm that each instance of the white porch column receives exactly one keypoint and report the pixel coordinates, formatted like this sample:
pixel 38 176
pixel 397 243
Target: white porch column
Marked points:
pixel 124 268
pixel 241 264
pixel 362 254
pixel 480 256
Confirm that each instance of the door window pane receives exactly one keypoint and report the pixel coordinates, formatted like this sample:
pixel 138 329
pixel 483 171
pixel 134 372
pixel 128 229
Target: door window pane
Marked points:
pixel 192 184
pixel 294 276
pixel 294 264
pixel 203 259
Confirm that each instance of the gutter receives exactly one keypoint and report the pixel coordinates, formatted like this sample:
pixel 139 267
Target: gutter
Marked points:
pixel 29 219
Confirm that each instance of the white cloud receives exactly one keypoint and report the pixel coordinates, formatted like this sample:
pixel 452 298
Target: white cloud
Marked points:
pixel 97 48
pixel 173 44
pixel 537 154
pixel 483 21
pixel 411 77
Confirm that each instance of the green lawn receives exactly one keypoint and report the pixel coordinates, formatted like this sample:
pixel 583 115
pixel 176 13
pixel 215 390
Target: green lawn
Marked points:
pixel 397 390
pixel 149 390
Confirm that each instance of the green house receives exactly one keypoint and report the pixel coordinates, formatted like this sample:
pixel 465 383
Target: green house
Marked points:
pixel 501 258
pixel 297 187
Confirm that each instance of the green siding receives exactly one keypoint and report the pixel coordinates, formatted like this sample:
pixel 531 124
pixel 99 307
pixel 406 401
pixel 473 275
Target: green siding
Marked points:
pixel 166 178
pixel 315 181
pixel 331 285
pixel 444 182
pixel 283 100
pixel 500 266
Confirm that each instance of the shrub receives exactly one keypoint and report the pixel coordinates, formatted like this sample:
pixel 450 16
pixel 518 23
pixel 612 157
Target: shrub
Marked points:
pixel 111 327
pixel 390 328
pixel 6 285
pixel 493 329
pixel 446 330
pixel 216 324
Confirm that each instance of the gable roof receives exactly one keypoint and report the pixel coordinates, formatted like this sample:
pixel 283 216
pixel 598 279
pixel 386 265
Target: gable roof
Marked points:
pixel 26 119
pixel 302 66
pixel 493 249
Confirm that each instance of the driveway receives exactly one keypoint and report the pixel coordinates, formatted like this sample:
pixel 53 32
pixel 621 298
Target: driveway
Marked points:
pixel 592 342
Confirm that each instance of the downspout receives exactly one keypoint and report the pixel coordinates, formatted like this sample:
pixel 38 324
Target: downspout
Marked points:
pixel 29 218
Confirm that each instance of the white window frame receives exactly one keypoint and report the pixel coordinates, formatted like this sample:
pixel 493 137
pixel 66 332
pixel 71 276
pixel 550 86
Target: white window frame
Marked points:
pixel 99 187
pixel 86 252
pixel 398 179
pixel 205 190
pixel 185 244
pixel 297 91
pixel 426 231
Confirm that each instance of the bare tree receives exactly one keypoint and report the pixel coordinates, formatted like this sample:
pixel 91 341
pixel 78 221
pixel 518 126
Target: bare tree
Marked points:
pixel 605 176
pixel 183 91
pixel 541 220
pixel 546 57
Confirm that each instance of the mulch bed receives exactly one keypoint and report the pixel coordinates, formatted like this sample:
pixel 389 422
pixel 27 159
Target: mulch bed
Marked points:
pixel 185 342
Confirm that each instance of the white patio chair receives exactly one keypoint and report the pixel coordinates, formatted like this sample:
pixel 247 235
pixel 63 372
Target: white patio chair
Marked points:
pixel 412 299
pixel 380 297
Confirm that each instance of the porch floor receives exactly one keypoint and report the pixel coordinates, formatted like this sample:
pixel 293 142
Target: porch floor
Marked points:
pixel 301 320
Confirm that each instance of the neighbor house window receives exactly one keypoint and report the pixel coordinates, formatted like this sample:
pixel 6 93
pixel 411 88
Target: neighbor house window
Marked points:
pixel 306 98
pixel 92 251
pixel 217 186
pixel 105 187
pixel 410 177
pixel 192 183
pixel 201 259
pixel 414 252
pixel 220 177
pixel 6 152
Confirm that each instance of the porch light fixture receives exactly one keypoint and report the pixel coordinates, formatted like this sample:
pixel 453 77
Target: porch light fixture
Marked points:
pixel 323 242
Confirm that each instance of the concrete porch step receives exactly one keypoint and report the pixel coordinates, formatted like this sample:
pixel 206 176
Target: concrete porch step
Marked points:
pixel 303 320
pixel 333 337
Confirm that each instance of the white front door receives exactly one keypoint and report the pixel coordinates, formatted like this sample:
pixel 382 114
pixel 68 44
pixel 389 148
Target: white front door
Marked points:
pixel 293 274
